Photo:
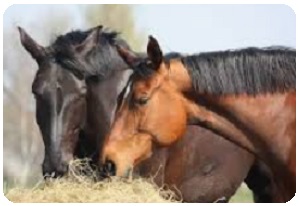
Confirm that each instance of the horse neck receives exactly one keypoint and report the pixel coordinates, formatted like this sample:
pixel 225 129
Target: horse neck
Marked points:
pixel 178 74
pixel 198 113
pixel 263 125
pixel 261 117
pixel 249 112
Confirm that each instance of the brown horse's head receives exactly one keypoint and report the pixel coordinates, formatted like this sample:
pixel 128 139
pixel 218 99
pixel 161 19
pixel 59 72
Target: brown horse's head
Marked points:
pixel 151 109
pixel 60 96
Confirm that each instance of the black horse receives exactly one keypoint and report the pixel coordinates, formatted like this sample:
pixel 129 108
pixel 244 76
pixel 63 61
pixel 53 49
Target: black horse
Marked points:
pixel 76 87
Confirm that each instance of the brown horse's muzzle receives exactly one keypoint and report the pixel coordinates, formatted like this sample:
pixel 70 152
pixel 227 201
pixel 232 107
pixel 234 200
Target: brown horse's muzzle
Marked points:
pixel 109 169
pixel 121 155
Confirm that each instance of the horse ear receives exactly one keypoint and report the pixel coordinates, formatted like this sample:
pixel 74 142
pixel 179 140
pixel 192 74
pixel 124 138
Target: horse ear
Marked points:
pixel 30 45
pixel 154 52
pixel 90 41
pixel 127 55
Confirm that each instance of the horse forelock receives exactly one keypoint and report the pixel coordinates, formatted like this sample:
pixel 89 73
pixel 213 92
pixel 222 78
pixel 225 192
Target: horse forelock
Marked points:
pixel 100 61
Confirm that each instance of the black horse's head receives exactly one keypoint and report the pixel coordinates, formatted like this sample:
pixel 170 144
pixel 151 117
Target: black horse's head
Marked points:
pixel 60 106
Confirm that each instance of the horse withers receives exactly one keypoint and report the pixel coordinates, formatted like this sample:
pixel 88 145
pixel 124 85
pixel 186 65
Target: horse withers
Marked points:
pixel 247 96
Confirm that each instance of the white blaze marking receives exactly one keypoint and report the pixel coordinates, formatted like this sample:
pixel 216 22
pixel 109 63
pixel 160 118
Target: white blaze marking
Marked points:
pixel 127 92
pixel 120 88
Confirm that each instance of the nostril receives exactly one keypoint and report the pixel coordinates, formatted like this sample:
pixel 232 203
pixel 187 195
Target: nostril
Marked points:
pixel 109 168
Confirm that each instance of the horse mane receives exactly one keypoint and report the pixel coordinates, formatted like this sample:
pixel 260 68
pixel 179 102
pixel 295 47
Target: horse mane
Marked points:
pixel 101 61
pixel 251 71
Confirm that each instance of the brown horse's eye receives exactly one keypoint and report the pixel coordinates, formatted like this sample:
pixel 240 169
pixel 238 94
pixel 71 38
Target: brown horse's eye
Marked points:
pixel 142 100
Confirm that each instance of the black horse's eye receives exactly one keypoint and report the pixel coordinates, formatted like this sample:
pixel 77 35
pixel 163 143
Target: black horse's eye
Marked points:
pixel 142 100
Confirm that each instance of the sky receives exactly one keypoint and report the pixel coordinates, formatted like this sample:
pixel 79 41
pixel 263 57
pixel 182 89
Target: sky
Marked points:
pixel 193 28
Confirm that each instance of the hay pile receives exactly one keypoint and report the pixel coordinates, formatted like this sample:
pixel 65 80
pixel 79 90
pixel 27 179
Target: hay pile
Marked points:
pixel 77 187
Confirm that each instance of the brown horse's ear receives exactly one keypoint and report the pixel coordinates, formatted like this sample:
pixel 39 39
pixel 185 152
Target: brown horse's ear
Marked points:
pixel 30 45
pixel 127 55
pixel 90 41
pixel 154 52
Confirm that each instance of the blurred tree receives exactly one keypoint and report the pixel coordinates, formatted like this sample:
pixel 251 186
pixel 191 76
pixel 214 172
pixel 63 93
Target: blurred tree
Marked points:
pixel 21 139
pixel 23 147
pixel 118 17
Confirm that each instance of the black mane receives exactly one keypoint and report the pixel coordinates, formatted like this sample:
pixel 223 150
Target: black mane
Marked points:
pixel 251 71
pixel 100 61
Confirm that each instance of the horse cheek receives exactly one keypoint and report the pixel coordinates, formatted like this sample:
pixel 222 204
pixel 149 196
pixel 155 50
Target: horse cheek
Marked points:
pixel 179 124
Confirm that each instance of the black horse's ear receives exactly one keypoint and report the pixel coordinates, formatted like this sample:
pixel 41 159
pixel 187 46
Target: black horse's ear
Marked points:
pixel 30 45
pixel 127 55
pixel 154 52
pixel 90 41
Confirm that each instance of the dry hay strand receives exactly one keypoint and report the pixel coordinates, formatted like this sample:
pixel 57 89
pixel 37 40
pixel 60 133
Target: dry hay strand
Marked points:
pixel 79 186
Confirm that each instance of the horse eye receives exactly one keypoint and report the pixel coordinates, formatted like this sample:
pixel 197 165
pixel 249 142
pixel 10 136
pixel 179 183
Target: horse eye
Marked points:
pixel 142 100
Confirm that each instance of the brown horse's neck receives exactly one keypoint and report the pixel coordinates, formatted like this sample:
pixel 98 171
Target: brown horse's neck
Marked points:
pixel 240 117
pixel 268 123
pixel 219 124
pixel 263 117
pixel 263 124
pixel 178 74
pixel 198 114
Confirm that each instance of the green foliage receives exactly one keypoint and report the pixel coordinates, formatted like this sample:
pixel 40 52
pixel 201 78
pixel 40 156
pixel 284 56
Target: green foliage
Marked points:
pixel 118 17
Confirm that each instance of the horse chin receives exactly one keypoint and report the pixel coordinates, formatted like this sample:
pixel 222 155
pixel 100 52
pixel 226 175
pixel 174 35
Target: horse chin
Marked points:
pixel 123 169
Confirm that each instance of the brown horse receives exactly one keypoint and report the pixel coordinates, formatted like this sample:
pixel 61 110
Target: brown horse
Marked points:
pixel 247 96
